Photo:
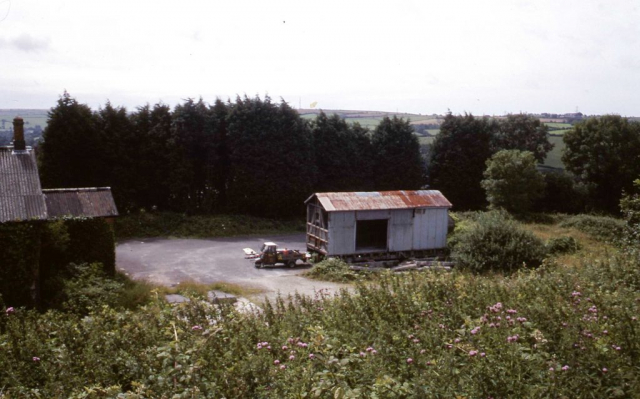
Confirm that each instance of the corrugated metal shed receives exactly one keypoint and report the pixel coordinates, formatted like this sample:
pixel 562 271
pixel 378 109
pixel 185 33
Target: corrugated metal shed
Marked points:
pixel 86 202
pixel 20 191
pixel 363 201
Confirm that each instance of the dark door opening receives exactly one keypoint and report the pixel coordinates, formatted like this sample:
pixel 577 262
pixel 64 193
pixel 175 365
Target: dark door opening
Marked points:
pixel 371 235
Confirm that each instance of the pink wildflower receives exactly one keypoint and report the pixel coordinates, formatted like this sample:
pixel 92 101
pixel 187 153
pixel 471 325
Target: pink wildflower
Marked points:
pixel 35 359
pixel 551 369
pixel 423 351
pixel 512 311
pixel 10 310
pixel 604 370
pixel 284 347
pixel 276 362
pixel 196 328
pixel 416 341
pixel 373 352
pixel 475 331
pixel 363 354
pixel 449 346
pixel 282 367
pixel 457 340
pixel 473 353
pixel 575 293
pixel 369 349
pixel 483 354
pixel 292 357
pixel 565 368
pixel 409 360
pixel 311 356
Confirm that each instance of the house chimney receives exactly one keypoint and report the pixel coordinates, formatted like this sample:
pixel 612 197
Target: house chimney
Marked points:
pixel 18 134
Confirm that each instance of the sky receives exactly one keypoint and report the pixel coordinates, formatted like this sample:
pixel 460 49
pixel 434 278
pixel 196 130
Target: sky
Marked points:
pixel 480 56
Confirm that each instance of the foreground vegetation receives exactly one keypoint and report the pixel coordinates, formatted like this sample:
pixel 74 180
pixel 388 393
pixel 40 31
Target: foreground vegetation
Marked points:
pixel 566 329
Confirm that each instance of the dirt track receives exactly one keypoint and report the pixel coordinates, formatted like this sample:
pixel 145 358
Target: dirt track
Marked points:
pixel 170 261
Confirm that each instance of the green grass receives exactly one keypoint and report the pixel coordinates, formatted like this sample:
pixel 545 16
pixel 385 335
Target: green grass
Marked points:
pixel 559 125
pixel 554 156
pixel 166 224
pixel 426 140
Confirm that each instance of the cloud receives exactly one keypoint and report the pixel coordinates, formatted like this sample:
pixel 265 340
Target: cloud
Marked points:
pixel 25 42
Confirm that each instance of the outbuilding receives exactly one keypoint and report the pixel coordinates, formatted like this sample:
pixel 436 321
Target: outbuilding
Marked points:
pixel 377 224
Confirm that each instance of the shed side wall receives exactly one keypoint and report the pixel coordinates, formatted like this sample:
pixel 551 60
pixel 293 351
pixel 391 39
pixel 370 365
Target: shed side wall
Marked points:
pixel 342 233
pixel 401 230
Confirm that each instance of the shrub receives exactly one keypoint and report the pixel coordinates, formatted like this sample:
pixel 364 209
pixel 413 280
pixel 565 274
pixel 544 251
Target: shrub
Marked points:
pixel 494 241
pixel 90 287
pixel 332 269
pixel 562 245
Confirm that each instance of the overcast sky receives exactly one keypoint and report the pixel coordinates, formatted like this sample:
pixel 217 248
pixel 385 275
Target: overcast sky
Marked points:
pixel 484 57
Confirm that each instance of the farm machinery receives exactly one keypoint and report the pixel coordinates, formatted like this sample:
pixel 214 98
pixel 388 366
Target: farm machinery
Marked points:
pixel 271 256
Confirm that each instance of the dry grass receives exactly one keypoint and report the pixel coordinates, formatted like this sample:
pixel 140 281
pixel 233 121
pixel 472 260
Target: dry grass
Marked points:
pixel 590 248
pixel 194 288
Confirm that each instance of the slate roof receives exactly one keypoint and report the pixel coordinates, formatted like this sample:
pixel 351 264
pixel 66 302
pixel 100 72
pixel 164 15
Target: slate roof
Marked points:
pixel 20 191
pixel 363 201
pixel 86 202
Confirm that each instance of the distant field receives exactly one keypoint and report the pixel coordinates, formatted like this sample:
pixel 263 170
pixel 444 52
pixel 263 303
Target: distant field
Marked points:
pixel 553 157
pixel 425 140
pixel 559 125
pixel 559 132
pixel 32 117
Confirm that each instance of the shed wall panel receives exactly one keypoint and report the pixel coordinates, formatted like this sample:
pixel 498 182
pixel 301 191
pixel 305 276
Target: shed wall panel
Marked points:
pixel 342 233
pixel 401 230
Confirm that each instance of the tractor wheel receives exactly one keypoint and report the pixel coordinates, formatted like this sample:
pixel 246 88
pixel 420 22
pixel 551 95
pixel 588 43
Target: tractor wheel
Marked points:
pixel 258 265
pixel 292 263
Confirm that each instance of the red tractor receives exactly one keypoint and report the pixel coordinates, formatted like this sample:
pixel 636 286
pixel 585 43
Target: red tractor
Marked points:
pixel 271 255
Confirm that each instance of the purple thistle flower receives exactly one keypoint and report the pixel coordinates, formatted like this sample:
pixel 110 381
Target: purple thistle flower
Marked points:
pixel 311 356
pixel 35 359
pixel 604 370
pixel 473 353
pixel 409 360
pixel 10 310
pixel 276 362
pixel 292 357
pixel 196 328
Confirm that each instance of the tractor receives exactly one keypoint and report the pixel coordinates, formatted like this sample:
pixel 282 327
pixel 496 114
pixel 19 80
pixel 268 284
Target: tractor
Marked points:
pixel 270 255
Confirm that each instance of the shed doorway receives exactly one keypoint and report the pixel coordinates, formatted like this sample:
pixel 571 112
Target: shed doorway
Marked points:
pixel 371 235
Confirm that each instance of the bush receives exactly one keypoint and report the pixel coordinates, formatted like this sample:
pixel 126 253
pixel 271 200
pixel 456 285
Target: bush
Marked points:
pixel 562 245
pixel 495 241
pixel 332 269
pixel 90 287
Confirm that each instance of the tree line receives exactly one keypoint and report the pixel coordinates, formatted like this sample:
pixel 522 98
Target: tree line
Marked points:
pixel 256 156
pixel 250 156
pixel 481 161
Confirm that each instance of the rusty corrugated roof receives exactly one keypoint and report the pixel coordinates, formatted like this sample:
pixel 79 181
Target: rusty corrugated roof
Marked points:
pixel 362 201
pixel 20 191
pixel 85 202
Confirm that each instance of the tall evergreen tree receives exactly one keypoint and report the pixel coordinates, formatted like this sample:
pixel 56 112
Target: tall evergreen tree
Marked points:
pixel 191 177
pixel 120 148
pixel 396 153
pixel 71 151
pixel 342 154
pixel 271 173
pixel 221 162
pixel 153 126
pixel 458 156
